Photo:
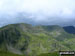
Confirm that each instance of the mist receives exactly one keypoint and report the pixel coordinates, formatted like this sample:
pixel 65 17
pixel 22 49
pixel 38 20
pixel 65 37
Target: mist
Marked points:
pixel 37 12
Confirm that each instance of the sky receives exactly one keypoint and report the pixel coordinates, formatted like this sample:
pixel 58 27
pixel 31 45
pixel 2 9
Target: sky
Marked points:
pixel 37 12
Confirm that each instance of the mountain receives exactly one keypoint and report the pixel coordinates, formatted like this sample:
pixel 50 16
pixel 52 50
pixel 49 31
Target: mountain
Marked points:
pixel 34 40
pixel 70 29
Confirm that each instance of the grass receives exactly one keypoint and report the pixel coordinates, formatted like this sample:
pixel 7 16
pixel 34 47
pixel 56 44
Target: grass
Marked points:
pixel 2 53
pixel 53 54
pixel 50 54
pixel 67 55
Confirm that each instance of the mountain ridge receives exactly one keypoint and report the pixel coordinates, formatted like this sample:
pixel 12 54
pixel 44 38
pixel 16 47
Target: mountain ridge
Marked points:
pixel 27 39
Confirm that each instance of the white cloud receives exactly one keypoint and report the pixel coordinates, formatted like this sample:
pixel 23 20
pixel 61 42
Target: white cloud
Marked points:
pixel 41 10
pixel 67 11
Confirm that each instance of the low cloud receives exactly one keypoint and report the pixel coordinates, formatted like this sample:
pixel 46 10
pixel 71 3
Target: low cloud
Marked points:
pixel 47 12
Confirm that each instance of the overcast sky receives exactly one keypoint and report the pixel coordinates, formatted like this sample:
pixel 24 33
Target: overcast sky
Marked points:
pixel 48 12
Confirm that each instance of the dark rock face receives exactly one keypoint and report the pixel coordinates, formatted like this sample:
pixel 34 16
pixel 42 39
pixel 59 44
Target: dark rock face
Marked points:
pixel 70 29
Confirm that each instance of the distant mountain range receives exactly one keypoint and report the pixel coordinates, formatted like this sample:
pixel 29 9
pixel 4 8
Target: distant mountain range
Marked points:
pixel 34 40
pixel 70 29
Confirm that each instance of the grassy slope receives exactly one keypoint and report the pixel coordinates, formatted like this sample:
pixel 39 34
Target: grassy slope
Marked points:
pixel 45 54
pixel 49 54
pixel 11 54
pixel 2 53
pixel 36 40
pixel 70 43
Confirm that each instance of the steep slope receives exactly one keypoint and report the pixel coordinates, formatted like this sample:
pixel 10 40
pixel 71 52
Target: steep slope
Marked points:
pixel 33 40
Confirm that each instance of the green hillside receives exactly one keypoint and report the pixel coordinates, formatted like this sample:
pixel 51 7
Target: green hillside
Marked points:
pixel 50 54
pixel 2 53
pixel 35 40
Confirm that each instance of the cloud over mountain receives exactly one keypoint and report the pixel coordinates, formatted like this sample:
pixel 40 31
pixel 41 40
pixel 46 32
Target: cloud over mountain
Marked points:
pixel 47 12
